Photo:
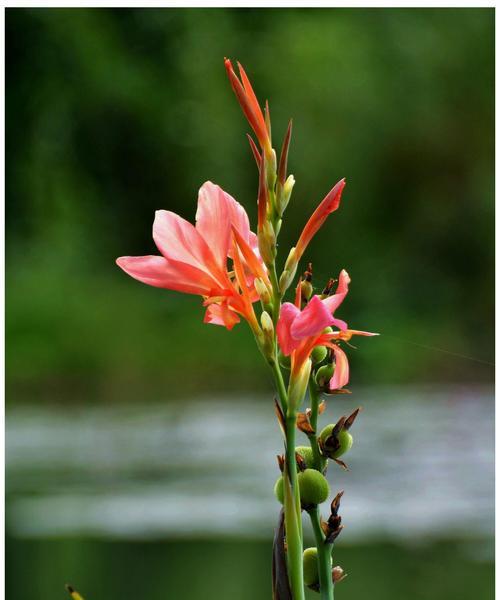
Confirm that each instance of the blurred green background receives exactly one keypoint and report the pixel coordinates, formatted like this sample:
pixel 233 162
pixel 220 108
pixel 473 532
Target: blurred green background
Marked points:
pixel 112 114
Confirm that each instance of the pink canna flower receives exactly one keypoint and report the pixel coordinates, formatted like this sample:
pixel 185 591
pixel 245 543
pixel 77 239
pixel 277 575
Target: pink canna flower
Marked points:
pixel 194 258
pixel 300 331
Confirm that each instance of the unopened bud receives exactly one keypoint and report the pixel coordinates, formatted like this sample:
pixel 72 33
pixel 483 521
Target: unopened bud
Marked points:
pixel 270 165
pixel 268 331
pixel 267 243
pixel 288 272
pixel 284 193
pixel 298 385
pixel 263 291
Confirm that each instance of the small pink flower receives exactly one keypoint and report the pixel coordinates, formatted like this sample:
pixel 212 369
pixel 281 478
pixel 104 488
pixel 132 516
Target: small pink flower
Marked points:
pixel 299 332
pixel 194 258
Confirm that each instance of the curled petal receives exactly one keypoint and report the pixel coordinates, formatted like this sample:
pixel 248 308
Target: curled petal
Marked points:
pixel 333 302
pixel 221 314
pixel 341 374
pixel 312 320
pixel 288 314
pixel 160 272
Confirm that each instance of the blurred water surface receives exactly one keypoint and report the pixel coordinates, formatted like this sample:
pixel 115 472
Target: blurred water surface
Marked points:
pixel 421 467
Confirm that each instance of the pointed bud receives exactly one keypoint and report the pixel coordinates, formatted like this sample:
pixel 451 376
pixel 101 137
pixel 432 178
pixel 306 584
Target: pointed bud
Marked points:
pixel 267 242
pixel 288 272
pixel 284 193
pixel 268 332
pixel 263 291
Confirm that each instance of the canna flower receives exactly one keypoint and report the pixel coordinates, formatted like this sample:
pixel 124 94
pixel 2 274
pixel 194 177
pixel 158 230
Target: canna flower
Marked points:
pixel 299 332
pixel 251 108
pixel 194 258
pixel 329 204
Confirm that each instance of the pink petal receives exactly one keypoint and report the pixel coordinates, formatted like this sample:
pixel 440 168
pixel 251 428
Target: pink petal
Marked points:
pixel 333 302
pixel 341 375
pixel 288 314
pixel 179 241
pixel 312 320
pixel 217 212
pixel 342 325
pixel 220 314
pixel 159 272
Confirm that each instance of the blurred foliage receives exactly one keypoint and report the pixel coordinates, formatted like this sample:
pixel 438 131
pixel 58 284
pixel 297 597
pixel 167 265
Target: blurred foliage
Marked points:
pixel 227 569
pixel 112 114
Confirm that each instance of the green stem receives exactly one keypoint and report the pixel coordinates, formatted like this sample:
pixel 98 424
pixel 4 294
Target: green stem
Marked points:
pixel 313 419
pixel 324 556
pixel 273 277
pixel 293 519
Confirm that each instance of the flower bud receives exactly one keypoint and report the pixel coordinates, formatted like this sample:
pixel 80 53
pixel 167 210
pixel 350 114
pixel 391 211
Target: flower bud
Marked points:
pixel 334 444
pixel 284 193
pixel 298 385
pixel 324 374
pixel 268 332
pixel 270 165
pixel 313 487
pixel 310 566
pixel 267 242
pixel 288 272
pixel 306 290
pixel 263 291
pixel 319 354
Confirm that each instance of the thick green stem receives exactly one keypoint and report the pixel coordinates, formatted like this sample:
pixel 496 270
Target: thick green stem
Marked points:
pixel 293 519
pixel 324 557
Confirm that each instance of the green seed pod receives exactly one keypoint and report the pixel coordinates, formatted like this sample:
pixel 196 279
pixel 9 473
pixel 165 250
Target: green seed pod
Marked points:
pixel 335 446
pixel 324 374
pixel 327 330
pixel 310 564
pixel 285 361
pixel 306 289
pixel 307 454
pixel 313 487
pixel 319 354
pixel 278 490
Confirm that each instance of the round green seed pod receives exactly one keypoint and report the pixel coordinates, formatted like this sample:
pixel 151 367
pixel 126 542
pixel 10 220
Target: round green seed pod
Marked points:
pixel 324 374
pixel 327 330
pixel 278 490
pixel 284 361
pixel 313 487
pixel 318 354
pixel 310 564
pixel 306 453
pixel 344 439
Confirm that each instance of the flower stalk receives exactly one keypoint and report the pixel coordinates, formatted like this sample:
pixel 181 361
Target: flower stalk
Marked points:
pixel 233 270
